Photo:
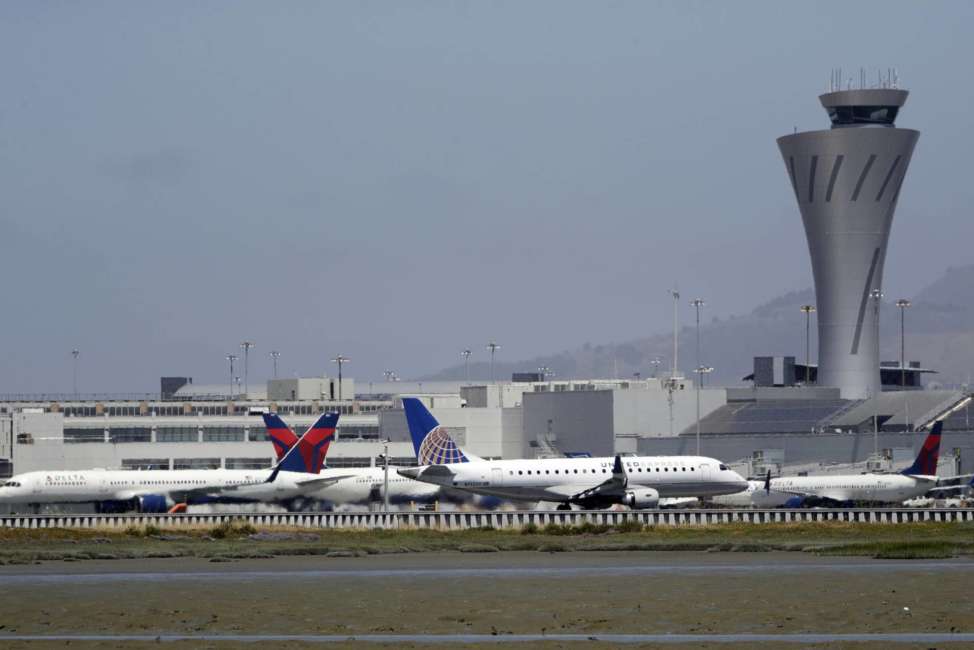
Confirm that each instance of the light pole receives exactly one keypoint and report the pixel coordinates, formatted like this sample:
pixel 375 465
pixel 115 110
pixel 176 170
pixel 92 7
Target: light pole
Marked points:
pixel 75 353
pixel 543 372
pixel 231 358
pixel 655 361
pixel 701 371
pixel 877 296
pixel 903 305
pixel 340 360
pixel 807 310
pixel 275 355
pixel 493 347
pixel 697 304
pixel 385 480
pixel 676 331
pixel 246 346
pixel 466 364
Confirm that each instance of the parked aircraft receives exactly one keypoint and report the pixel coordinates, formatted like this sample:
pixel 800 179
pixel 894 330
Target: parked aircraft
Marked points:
pixel 845 489
pixel 635 481
pixel 307 481
pixel 157 490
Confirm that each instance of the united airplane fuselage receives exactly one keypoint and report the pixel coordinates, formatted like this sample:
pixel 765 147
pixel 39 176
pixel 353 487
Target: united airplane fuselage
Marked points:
pixel 556 479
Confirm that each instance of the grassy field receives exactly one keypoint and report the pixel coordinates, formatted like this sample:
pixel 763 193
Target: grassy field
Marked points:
pixel 240 541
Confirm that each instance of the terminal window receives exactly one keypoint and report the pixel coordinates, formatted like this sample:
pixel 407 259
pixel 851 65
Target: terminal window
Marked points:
pixel 129 434
pixel 196 463
pixel 248 463
pixel 177 434
pixel 72 435
pixel 145 463
pixel 223 434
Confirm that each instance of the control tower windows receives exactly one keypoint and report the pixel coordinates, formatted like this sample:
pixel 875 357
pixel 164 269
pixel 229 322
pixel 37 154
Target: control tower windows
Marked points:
pixel 851 115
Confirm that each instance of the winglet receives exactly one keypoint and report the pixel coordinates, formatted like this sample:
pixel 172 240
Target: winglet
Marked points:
pixel 926 461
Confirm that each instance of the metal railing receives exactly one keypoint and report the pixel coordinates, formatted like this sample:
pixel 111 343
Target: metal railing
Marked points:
pixel 496 519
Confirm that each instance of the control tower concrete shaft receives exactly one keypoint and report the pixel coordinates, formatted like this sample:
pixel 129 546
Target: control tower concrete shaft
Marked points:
pixel 847 181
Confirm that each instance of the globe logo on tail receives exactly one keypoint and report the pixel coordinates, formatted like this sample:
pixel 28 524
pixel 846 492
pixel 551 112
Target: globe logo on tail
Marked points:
pixel 438 448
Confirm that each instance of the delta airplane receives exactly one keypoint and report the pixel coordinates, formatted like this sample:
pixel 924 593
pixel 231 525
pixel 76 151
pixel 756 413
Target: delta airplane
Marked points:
pixel 636 481
pixel 838 490
pixel 158 490
pixel 306 480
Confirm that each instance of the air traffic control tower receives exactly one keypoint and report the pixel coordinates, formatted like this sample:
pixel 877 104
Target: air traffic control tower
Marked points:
pixel 847 181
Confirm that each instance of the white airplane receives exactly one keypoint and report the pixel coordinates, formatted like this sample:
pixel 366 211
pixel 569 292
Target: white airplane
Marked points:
pixel 841 490
pixel 635 481
pixel 158 490
pixel 305 480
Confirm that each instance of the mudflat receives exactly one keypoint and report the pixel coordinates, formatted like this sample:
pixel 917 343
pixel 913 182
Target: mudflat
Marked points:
pixel 634 592
pixel 721 580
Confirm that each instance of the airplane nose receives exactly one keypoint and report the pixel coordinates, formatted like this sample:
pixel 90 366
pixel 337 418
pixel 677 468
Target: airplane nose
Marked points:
pixel 738 479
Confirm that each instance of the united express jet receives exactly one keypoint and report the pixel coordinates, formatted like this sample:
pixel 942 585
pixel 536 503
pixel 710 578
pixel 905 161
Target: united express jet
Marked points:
pixel 635 481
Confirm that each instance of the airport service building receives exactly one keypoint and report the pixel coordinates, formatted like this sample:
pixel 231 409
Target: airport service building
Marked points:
pixel 756 428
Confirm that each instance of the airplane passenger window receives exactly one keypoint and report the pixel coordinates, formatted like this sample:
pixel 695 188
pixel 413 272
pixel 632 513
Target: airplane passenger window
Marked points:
pixel 520 472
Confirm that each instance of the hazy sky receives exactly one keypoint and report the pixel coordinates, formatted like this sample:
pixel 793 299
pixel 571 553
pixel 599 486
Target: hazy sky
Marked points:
pixel 396 181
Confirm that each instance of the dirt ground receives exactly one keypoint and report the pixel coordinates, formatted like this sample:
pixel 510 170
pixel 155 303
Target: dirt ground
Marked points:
pixel 533 593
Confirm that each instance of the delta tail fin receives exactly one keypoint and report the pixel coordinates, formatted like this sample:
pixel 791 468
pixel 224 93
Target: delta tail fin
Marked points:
pixel 308 453
pixel 431 442
pixel 280 434
pixel 926 461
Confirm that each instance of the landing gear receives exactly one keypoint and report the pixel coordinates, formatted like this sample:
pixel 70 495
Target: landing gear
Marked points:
pixel 564 507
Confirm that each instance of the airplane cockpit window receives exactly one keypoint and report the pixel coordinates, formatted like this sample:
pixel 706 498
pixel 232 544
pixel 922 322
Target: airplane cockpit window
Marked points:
pixel 11 484
pixel 723 467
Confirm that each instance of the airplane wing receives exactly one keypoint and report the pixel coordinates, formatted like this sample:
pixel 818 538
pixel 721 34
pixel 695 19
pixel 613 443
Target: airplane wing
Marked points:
pixel 960 480
pixel 319 482
pixel 611 487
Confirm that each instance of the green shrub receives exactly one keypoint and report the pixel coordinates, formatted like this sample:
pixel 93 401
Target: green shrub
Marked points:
pixel 151 530
pixel 232 528
pixel 556 529
pixel 629 526
pixel 588 528
pixel 529 528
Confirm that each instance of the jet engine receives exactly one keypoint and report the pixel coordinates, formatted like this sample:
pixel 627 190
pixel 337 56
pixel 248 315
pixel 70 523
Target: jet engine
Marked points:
pixel 641 498
pixel 154 503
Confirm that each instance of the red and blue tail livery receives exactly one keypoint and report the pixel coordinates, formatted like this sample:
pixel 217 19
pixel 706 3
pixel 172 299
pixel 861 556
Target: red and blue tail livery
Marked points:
pixel 432 444
pixel 926 461
pixel 308 454
pixel 280 434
